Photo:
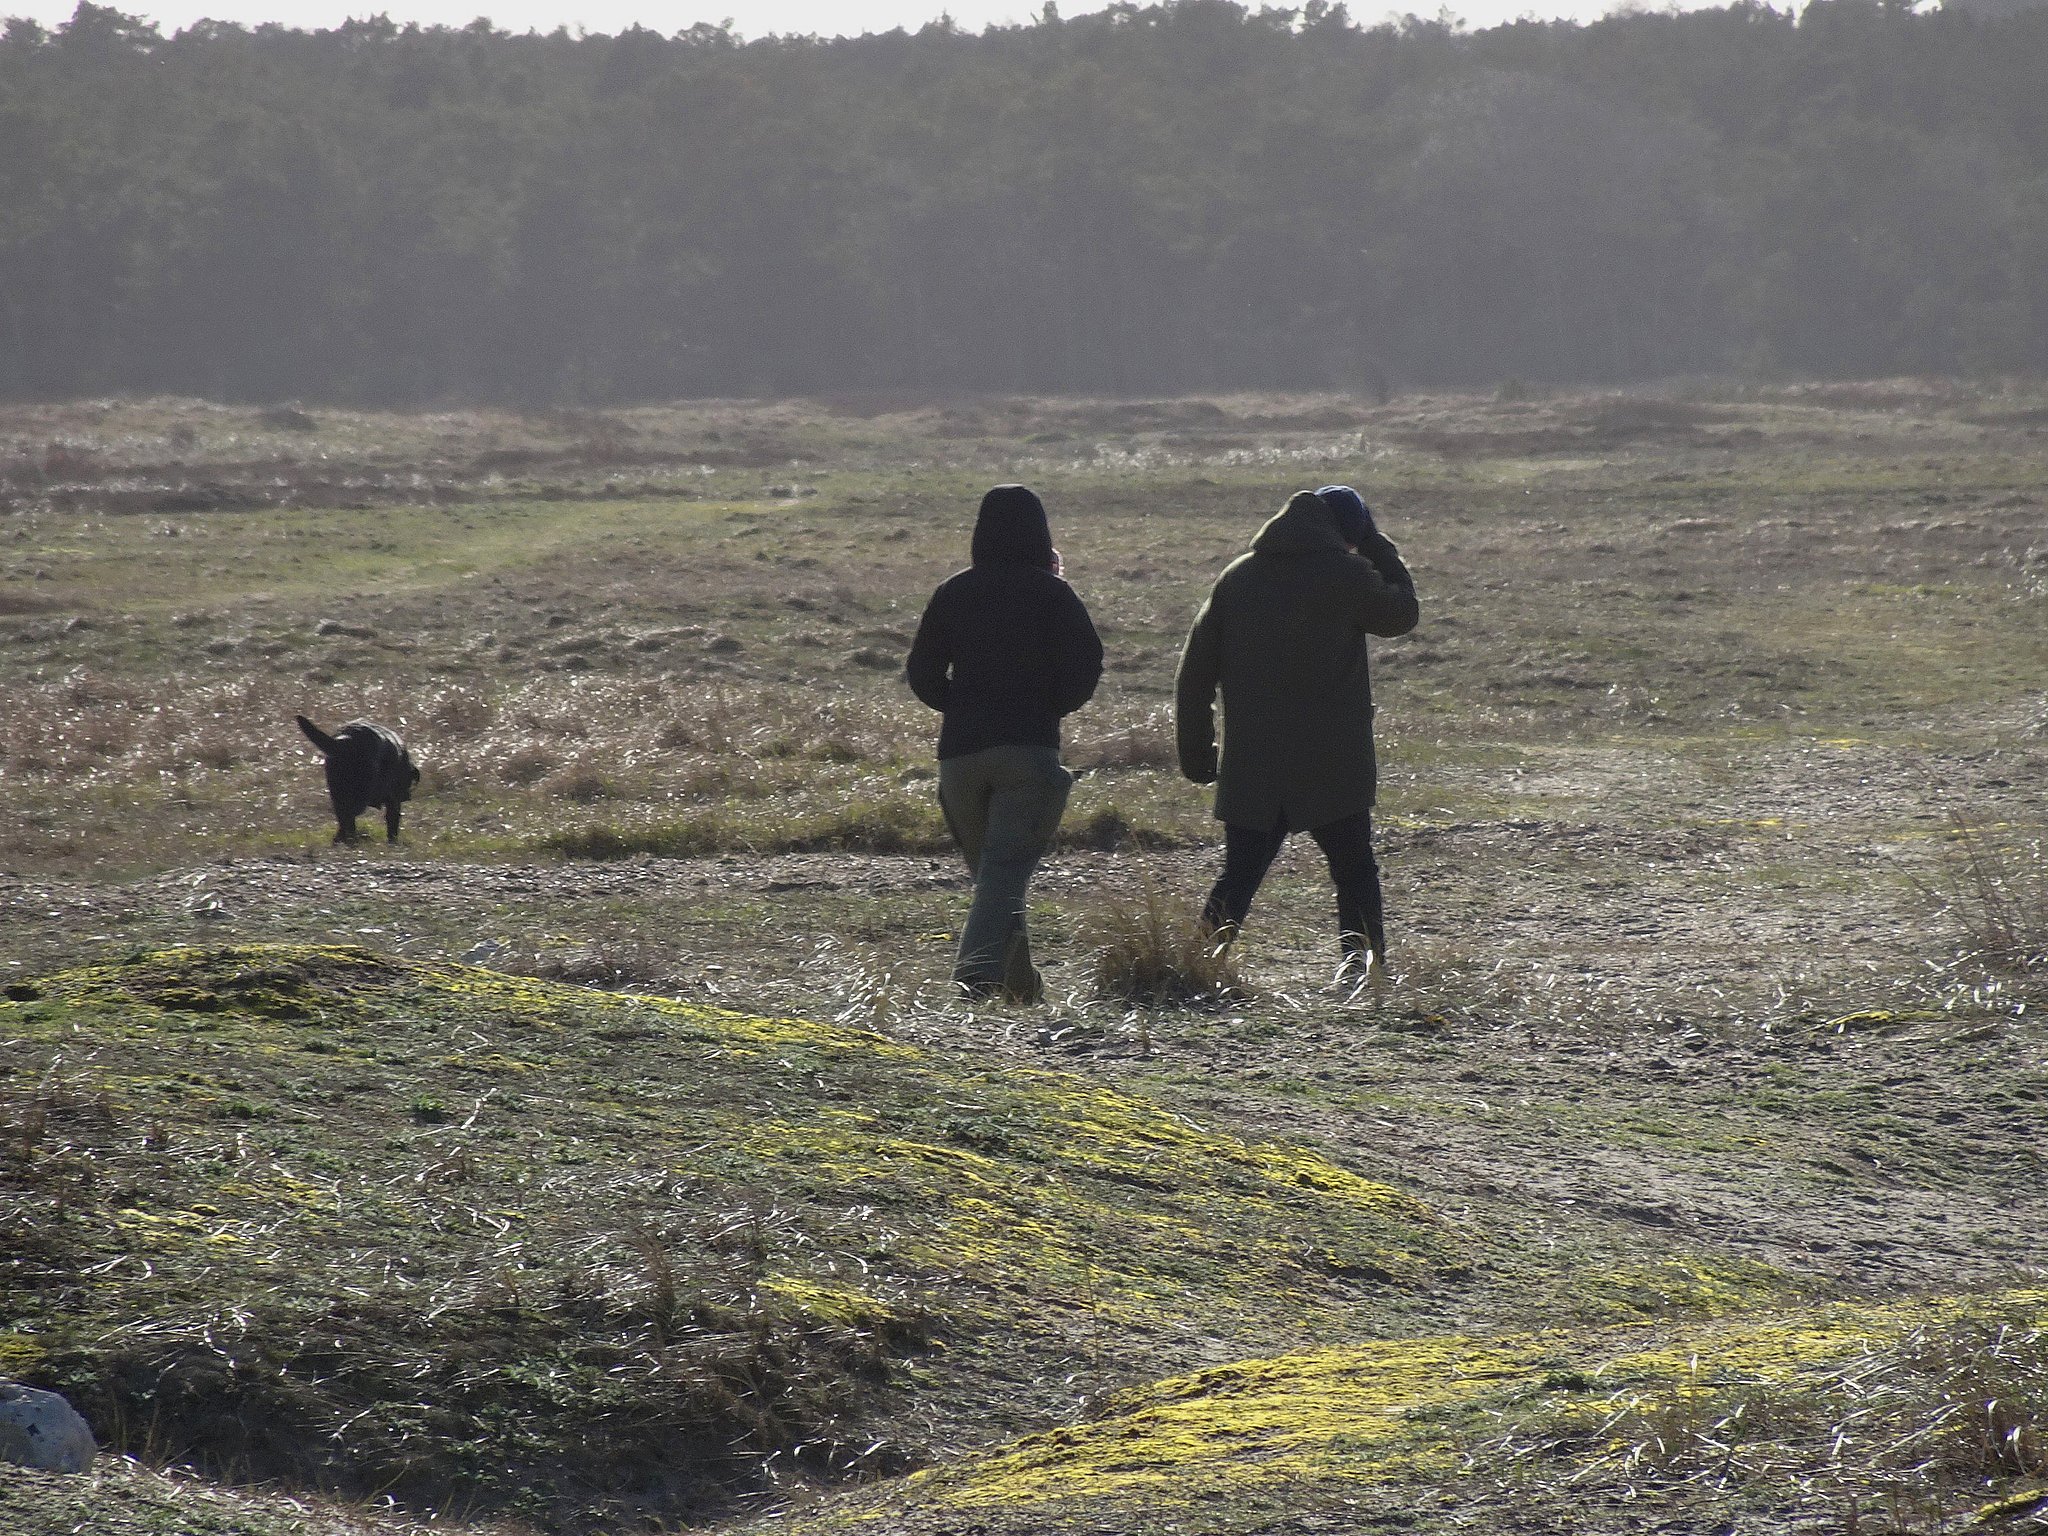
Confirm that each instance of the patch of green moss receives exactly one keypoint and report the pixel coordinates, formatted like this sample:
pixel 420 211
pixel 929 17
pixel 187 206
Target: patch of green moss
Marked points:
pixel 739 1228
pixel 1398 1412
pixel 18 1352
pixel 1089 1193
pixel 1690 1286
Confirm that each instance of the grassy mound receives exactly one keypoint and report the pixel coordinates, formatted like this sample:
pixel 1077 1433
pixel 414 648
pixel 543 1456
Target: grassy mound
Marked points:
pixel 1928 1408
pixel 125 1498
pixel 361 1224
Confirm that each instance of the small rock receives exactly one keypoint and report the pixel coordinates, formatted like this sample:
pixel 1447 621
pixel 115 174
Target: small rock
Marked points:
pixel 40 1429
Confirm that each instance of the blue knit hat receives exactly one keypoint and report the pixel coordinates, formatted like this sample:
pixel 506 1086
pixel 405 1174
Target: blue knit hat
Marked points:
pixel 1354 519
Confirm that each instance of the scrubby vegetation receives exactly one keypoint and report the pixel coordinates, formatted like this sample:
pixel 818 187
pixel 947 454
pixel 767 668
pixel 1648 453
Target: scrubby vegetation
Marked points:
pixel 1151 951
pixel 1912 1412
pixel 1689 1176
pixel 322 1216
pixel 1189 196
pixel 1993 885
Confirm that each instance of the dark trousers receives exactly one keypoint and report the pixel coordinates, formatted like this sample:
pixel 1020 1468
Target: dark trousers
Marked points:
pixel 1249 852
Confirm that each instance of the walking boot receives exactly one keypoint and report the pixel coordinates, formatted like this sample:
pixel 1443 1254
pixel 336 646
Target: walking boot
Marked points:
pixel 1021 981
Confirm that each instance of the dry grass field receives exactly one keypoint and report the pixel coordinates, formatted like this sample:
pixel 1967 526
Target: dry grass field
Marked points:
pixel 610 1153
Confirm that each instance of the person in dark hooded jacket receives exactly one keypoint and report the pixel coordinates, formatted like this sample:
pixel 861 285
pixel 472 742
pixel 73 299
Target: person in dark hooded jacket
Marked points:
pixel 1283 637
pixel 1005 651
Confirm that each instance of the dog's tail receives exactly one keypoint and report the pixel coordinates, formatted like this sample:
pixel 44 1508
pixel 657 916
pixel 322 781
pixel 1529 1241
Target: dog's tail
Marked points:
pixel 318 737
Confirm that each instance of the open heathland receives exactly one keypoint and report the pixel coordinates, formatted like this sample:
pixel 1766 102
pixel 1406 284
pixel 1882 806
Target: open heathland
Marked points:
pixel 610 1153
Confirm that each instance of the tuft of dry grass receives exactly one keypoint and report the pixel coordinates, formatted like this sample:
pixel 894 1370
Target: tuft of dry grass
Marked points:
pixel 1142 744
pixel 1905 1436
pixel 1157 954
pixel 1992 883
pixel 528 764
pixel 615 962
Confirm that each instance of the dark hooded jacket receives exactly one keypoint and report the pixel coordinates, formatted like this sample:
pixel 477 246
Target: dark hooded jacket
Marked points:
pixel 1283 637
pixel 1005 648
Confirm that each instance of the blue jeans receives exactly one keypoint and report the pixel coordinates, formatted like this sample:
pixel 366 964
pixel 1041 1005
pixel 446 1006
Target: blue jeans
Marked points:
pixel 1003 805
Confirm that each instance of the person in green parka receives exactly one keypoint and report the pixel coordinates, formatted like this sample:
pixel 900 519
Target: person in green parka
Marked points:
pixel 1283 638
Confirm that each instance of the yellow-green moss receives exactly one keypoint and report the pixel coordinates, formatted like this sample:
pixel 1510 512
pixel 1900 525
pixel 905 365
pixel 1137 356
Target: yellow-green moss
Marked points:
pixel 18 1353
pixel 1366 1412
pixel 1405 1409
pixel 330 967
pixel 832 1304
pixel 1101 1197
pixel 1032 1199
pixel 1694 1285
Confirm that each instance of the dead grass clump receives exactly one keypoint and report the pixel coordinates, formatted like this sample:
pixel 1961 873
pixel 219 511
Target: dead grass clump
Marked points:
pixel 1992 884
pixel 460 712
pixel 1111 830
pixel 216 749
pixel 679 734
pixel 678 837
pixel 1148 744
pixel 662 1358
pixel 1925 1425
pixel 615 964
pixel 836 748
pixel 43 1131
pixel 580 783
pixel 872 826
pixel 529 764
pixel 13 604
pixel 70 461
pixel 1156 956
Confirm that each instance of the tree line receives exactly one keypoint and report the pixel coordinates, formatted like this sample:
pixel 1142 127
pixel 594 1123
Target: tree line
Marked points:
pixel 1178 197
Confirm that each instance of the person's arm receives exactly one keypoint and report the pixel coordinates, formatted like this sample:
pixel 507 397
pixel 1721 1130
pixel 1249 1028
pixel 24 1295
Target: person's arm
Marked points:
pixel 1386 599
pixel 1194 696
pixel 931 655
pixel 1077 654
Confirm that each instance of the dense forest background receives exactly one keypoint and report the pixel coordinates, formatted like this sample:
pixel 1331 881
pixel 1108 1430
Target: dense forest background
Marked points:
pixel 1181 197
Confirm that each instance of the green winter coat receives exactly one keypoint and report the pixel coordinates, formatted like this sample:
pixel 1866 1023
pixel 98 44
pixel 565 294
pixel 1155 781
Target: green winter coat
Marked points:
pixel 1283 636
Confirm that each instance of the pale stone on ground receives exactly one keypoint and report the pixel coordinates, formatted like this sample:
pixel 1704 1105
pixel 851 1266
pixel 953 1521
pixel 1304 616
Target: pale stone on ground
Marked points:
pixel 40 1429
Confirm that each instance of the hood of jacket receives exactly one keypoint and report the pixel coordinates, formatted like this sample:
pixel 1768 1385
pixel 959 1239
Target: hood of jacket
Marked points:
pixel 1305 526
pixel 1012 529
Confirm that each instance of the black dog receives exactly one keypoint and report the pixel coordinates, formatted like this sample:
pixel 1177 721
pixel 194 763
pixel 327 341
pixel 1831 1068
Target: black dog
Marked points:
pixel 366 765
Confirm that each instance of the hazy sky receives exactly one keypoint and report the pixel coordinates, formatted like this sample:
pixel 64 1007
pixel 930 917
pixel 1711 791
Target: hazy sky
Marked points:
pixel 751 18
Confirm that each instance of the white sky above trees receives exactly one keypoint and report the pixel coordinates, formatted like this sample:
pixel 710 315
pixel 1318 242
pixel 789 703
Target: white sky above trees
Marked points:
pixel 750 18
